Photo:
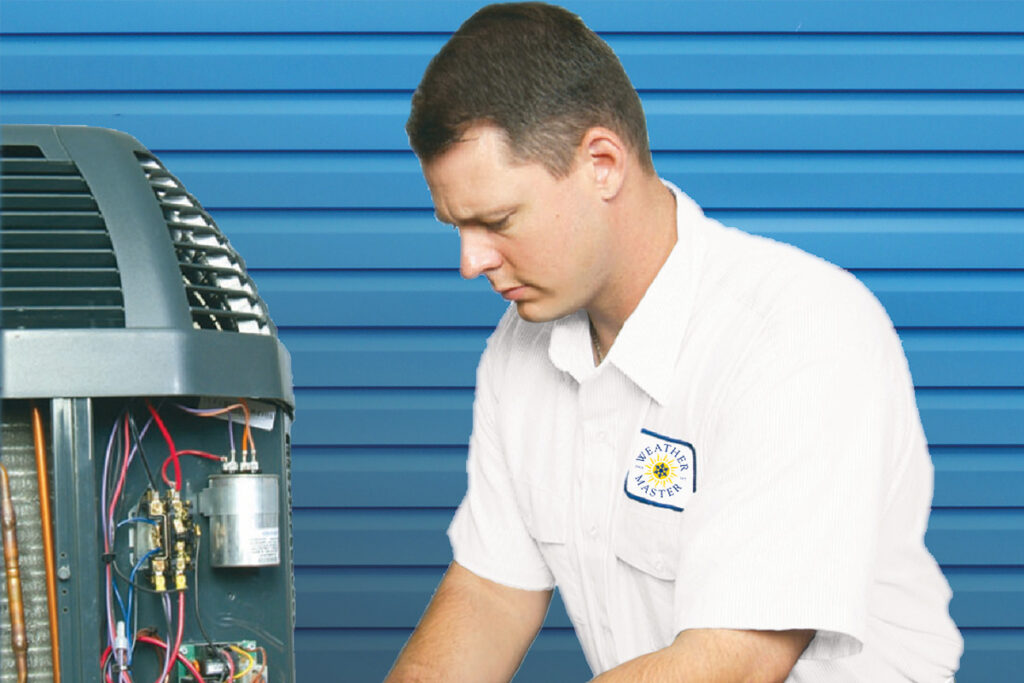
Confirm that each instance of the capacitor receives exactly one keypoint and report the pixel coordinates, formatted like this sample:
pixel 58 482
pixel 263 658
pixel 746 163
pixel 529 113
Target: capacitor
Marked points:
pixel 243 511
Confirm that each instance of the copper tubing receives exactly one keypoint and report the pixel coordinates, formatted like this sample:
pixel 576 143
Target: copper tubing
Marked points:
pixel 19 639
pixel 44 513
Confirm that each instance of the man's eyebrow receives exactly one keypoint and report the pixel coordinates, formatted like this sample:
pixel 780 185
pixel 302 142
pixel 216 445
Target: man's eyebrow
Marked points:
pixel 483 218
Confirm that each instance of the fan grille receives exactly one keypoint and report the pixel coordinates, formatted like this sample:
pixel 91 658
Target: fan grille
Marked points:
pixel 221 295
pixel 57 265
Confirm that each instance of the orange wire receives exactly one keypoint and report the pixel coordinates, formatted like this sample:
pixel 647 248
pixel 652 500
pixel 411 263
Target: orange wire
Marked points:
pixel 47 524
pixel 246 433
pixel 248 430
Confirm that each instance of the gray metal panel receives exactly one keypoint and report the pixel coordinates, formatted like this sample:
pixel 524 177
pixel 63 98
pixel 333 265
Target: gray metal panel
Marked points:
pixel 144 362
pixel 75 537
pixel 150 280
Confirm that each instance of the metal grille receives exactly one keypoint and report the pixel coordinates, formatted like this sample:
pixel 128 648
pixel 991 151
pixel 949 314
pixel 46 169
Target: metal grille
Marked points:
pixel 221 294
pixel 59 268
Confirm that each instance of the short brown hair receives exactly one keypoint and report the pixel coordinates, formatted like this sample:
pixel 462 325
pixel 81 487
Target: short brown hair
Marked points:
pixel 537 73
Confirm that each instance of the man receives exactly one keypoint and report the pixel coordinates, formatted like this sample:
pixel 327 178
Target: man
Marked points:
pixel 707 440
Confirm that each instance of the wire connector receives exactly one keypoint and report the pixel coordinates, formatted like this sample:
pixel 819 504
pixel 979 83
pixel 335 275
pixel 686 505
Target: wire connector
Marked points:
pixel 121 641
pixel 230 466
pixel 249 464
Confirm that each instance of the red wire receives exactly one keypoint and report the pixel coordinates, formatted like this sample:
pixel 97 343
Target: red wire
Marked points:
pixel 159 643
pixel 200 454
pixel 170 445
pixel 103 663
pixel 120 483
pixel 181 629
pixel 231 665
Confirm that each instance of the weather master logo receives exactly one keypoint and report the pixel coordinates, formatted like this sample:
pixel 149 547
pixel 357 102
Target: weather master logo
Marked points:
pixel 663 472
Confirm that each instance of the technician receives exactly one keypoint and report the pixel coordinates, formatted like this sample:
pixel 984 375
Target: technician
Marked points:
pixel 707 440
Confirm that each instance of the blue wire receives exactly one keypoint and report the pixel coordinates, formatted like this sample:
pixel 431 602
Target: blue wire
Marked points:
pixel 131 590
pixel 117 594
pixel 135 519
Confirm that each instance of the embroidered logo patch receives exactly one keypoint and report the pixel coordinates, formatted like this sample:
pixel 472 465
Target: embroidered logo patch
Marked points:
pixel 663 471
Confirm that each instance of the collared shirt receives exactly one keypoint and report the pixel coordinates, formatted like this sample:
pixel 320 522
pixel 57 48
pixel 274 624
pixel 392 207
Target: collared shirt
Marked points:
pixel 749 455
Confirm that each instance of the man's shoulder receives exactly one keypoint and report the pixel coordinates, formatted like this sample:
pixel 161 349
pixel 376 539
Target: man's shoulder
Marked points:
pixel 776 281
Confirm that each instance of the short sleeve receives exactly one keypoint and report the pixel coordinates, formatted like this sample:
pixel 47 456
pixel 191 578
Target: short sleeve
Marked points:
pixel 784 533
pixel 487 534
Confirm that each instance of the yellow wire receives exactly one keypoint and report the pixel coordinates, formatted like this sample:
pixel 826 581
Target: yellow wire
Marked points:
pixel 252 661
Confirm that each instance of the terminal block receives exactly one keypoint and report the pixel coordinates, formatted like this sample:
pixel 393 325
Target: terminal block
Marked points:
pixel 167 532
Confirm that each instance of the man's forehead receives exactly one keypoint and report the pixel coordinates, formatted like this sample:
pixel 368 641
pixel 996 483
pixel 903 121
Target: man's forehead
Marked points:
pixel 473 180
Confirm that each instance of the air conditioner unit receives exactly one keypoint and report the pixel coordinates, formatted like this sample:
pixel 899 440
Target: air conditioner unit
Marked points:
pixel 146 413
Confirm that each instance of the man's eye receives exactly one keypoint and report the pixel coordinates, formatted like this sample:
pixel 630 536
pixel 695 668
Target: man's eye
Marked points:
pixel 498 225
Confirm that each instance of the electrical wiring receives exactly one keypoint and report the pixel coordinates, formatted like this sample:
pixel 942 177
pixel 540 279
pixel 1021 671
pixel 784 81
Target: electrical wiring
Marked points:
pixel 199 454
pixel 195 594
pixel 108 536
pixel 226 656
pixel 136 586
pixel 248 432
pixel 123 506
pixel 248 656
pixel 169 653
pixel 231 431
pixel 112 588
pixel 117 460
pixel 170 445
pixel 131 584
pixel 120 481
pixel 181 628
pixel 149 640
pixel 132 520
pixel 138 444
pixel 213 412
pixel 264 662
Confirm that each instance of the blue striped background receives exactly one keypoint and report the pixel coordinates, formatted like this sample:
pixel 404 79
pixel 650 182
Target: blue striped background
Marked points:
pixel 884 135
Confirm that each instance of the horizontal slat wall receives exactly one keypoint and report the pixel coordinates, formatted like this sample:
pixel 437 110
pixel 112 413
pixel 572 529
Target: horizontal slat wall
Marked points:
pixel 884 135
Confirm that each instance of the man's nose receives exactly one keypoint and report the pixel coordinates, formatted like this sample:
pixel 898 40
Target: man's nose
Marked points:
pixel 477 254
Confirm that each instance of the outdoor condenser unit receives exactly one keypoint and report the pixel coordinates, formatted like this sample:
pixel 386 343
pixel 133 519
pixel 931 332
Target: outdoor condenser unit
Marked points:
pixel 146 413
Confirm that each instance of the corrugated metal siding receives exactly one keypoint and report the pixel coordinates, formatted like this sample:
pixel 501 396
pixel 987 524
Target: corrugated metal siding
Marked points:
pixel 883 135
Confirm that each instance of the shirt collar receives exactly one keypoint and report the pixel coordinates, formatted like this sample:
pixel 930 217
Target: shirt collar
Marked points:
pixel 649 342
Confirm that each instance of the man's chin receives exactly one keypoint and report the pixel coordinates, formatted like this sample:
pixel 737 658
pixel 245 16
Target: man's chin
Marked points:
pixel 534 312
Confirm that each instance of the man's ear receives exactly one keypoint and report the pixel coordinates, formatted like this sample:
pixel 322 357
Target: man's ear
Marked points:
pixel 606 154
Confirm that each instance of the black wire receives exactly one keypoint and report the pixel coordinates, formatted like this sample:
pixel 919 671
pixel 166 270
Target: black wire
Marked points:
pixel 226 655
pixel 142 451
pixel 195 592
pixel 117 570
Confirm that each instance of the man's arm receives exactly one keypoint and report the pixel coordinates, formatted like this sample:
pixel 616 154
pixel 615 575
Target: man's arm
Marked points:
pixel 473 630
pixel 716 656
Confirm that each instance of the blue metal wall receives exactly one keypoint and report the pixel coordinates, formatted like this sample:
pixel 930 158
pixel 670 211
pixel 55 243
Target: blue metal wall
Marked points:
pixel 886 136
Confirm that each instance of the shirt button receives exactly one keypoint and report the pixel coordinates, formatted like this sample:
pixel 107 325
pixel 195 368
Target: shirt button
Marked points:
pixel 592 531
pixel 602 436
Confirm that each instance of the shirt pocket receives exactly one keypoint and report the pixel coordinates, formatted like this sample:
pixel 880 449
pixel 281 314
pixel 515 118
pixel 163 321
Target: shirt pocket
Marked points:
pixel 648 539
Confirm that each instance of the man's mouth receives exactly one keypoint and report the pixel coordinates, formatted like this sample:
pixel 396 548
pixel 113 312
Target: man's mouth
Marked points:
pixel 512 293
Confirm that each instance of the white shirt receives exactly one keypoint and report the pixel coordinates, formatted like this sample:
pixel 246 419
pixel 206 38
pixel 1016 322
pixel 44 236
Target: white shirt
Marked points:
pixel 794 483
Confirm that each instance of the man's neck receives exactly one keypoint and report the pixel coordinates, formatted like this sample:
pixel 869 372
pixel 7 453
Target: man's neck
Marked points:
pixel 646 225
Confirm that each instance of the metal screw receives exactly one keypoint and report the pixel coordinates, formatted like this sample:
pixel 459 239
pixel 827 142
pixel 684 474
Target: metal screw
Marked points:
pixel 64 572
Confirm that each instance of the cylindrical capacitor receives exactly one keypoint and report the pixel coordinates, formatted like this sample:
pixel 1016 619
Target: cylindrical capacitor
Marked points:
pixel 243 512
